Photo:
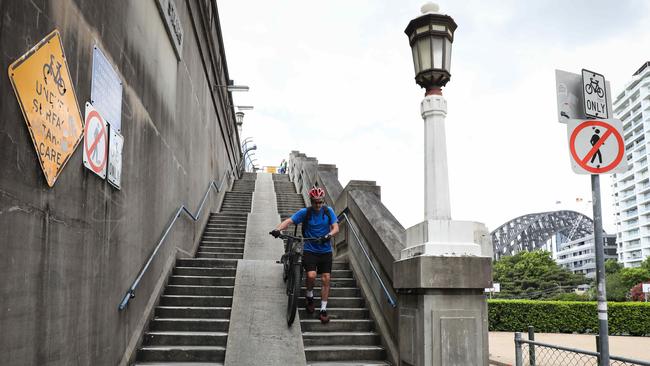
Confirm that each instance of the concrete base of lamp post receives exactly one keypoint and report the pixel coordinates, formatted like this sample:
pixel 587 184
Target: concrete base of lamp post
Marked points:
pixel 447 238
pixel 443 316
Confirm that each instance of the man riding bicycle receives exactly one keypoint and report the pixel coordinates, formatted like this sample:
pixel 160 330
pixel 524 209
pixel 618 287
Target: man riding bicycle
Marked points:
pixel 319 221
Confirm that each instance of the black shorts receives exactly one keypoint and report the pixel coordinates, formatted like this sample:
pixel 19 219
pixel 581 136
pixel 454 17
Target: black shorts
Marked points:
pixel 314 261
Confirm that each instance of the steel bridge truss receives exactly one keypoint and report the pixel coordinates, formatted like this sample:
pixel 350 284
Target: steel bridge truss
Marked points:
pixel 532 231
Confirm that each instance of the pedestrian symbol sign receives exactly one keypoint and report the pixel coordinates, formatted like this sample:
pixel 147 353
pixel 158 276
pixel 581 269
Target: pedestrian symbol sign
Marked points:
pixel 95 155
pixel 596 146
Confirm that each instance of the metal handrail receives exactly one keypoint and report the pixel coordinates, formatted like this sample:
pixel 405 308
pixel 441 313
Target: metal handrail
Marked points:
pixel 131 292
pixel 391 301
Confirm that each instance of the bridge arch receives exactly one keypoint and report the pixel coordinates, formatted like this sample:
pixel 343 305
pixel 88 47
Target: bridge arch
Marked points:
pixel 532 231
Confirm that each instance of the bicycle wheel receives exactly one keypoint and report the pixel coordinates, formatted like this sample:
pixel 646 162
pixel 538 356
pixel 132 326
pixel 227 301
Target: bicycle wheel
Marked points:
pixel 589 89
pixel 293 292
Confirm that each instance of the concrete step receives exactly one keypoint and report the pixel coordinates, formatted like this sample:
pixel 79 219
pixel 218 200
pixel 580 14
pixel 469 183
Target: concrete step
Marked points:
pixel 219 214
pixel 334 313
pixel 340 265
pixel 201 280
pixel 178 364
pixel 189 300
pixel 336 291
pixel 193 290
pixel 197 271
pixel 338 282
pixel 341 338
pixel 339 302
pixel 348 363
pixel 189 324
pixel 337 325
pixel 206 263
pixel 219 243
pixel 341 353
pixel 220 255
pixel 181 353
pixel 220 249
pixel 221 236
pixel 185 338
pixel 224 233
pixel 222 312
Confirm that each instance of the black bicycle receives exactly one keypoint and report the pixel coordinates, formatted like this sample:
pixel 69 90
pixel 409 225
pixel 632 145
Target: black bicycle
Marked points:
pixel 292 271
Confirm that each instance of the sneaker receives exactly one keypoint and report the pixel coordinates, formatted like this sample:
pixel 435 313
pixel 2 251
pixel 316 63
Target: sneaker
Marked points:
pixel 323 317
pixel 310 305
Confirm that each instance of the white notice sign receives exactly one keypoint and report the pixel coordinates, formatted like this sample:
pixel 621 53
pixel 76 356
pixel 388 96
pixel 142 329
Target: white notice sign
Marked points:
pixel 646 287
pixel 115 145
pixel 595 94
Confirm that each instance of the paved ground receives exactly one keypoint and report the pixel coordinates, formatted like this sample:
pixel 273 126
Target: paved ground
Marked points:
pixel 502 345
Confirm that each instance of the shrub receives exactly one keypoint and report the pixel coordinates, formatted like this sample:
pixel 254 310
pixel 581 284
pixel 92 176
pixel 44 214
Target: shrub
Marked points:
pixel 567 316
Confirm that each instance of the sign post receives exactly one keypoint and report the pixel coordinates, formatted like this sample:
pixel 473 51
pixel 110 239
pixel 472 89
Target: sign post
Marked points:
pixel 597 146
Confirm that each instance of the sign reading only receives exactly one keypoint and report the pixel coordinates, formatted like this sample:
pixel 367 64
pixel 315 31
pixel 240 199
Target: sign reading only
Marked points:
pixel 595 94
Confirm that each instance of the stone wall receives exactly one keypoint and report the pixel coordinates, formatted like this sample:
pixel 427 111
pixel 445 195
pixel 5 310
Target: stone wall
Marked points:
pixel 69 253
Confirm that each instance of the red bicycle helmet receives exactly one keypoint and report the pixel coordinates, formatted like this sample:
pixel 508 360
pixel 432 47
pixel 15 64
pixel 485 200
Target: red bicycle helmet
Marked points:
pixel 316 193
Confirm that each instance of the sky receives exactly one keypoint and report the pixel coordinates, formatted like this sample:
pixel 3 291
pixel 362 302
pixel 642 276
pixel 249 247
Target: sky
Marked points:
pixel 335 80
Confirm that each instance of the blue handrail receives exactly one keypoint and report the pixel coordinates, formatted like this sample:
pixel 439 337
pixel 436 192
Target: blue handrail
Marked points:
pixel 391 301
pixel 131 292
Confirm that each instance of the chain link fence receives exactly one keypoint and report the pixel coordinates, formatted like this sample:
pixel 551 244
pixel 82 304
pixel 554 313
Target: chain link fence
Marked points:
pixel 528 352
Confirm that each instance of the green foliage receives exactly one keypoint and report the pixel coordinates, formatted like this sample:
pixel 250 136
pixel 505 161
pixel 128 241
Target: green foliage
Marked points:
pixel 533 275
pixel 570 296
pixel 612 266
pixel 619 283
pixel 646 264
pixel 632 318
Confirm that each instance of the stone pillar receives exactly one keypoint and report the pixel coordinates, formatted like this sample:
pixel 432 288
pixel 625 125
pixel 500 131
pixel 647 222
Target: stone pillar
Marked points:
pixel 436 179
pixel 443 318
pixel 442 273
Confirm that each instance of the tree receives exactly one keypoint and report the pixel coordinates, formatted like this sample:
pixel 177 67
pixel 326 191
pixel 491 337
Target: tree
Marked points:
pixel 612 266
pixel 533 275
pixel 646 264
pixel 619 283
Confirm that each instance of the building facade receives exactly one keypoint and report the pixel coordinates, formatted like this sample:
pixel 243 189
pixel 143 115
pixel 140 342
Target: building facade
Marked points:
pixel 71 249
pixel 632 188
pixel 579 256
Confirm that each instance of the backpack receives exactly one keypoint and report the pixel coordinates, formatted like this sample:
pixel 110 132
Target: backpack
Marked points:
pixel 305 223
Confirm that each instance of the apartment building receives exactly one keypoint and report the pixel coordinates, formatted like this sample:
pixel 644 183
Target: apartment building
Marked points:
pixel 632 188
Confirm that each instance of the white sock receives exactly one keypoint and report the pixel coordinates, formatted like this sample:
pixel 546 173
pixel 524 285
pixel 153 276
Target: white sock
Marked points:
pixel 310 293
pixel 323 305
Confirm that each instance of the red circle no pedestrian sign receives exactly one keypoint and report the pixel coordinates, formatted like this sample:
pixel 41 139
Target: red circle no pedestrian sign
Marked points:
pixel 95 156
pixel 596 146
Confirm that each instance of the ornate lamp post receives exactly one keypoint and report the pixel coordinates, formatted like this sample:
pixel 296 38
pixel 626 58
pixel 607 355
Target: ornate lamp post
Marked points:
pixel 239 117
pixel 442 273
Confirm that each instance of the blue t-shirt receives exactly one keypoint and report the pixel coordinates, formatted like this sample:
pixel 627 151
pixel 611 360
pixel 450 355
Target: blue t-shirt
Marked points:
pixel 319 225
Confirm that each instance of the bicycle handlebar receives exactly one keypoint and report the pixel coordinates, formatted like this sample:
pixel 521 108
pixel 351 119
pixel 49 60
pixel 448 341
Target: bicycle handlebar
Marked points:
pixel 299 238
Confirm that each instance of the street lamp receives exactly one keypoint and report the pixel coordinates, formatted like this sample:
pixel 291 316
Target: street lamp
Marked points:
pixel 239 118
pixel 430 36
pixel 439 244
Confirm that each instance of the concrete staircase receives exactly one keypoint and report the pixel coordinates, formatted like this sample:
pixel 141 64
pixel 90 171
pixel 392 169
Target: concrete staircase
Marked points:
pixel 192 319
pixel 349 338
pixel 287 199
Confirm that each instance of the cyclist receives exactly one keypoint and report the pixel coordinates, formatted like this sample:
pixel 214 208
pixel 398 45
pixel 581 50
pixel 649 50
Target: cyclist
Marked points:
pixel 319 221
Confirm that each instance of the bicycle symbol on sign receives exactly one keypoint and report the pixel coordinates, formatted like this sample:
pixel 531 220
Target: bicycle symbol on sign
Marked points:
pixel 594 86
pixel 49 69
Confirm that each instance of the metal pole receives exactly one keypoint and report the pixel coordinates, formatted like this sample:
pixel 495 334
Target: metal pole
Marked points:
pixel 519 358
pixel 598 348
pixel 603 329
pixel 531 347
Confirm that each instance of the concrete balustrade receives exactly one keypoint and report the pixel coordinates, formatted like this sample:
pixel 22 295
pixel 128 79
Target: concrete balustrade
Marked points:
pixel 441 313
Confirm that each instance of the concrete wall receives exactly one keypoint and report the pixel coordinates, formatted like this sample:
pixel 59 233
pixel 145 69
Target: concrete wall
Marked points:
pixel 69 253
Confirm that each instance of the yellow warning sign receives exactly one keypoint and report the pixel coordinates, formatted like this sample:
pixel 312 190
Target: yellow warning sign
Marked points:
pixel 42 84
